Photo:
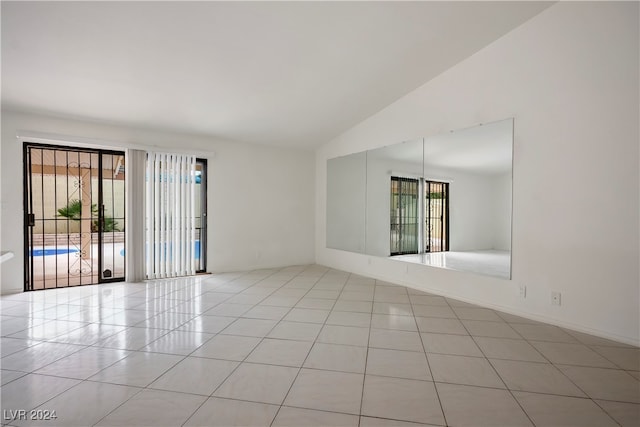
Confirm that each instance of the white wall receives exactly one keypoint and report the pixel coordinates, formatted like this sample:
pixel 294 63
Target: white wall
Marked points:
pixel 569 76
pixel 260 199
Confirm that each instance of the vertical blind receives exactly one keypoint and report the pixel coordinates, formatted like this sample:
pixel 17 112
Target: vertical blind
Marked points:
pixel 135 229
pixel 170 215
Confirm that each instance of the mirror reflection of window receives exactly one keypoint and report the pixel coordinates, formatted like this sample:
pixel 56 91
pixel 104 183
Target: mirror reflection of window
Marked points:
pixel 436 216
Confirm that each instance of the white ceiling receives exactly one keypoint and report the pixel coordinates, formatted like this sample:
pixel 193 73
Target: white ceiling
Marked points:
pixel 290 74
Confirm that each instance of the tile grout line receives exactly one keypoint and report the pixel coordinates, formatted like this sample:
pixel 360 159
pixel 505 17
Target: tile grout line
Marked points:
pixel 366 358
pixel 193 315
pixel 146 388
pixel 548 362
pixel 262 338
pixel 310 348
pixel 141 388
pixel 528 341
pixel 564 376
pixel 495 371
pixel 249 353
pixel 444 415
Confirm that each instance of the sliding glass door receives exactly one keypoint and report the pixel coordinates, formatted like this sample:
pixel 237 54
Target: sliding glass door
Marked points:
pixel 74 205
pixel 111 216
pixel 74 216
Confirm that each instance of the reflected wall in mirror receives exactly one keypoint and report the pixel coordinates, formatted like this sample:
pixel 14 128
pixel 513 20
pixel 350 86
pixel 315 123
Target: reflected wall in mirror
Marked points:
pixel 346 192
pixel 468 179
pixel 443 201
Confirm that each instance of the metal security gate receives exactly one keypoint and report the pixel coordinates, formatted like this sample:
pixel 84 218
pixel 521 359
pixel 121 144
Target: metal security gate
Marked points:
pixel 74 204
pixel 436 216
pixel 404 215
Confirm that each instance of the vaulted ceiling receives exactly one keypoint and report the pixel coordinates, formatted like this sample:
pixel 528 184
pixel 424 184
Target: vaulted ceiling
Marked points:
pixel 292 74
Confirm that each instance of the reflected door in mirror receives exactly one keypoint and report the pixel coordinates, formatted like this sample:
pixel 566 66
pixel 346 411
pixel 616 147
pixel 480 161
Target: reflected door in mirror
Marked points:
pixel 404 215
pixel 436 216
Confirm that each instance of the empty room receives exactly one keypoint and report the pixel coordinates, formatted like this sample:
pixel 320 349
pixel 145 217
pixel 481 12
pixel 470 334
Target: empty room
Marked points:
pixel 357 214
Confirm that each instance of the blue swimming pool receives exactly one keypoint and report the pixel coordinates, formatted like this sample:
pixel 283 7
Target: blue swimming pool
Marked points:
pixel 47 252
pixel 65 251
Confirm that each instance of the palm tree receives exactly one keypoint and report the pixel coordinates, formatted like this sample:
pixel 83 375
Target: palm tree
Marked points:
pixel 73 210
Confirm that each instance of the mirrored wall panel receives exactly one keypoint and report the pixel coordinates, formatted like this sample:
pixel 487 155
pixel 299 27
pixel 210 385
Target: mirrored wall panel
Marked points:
pixel 469 199
pixel 443 201
pixel 393 199
pixel 346 192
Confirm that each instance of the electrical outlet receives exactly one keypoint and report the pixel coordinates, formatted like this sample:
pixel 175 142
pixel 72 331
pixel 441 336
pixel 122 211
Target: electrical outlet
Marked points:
pixel 523 291
pixel 369 260
pixel 556 298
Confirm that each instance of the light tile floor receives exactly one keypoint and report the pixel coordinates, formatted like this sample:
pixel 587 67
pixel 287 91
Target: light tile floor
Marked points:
pixel 299 346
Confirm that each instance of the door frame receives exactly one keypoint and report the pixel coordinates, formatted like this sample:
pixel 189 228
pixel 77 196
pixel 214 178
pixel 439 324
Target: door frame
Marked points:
pixel 202 268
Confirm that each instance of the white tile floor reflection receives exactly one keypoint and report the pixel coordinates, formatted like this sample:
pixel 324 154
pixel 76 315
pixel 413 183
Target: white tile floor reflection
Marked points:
pixel 488 263
pixel 300 346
